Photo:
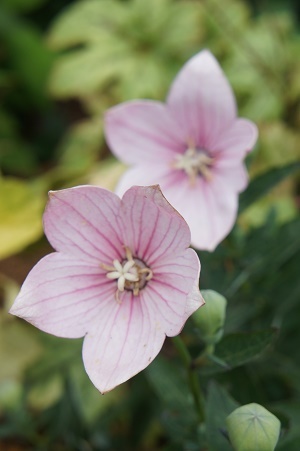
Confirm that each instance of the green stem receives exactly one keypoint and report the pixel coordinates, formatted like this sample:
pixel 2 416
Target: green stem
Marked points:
pixel 192 377
pixel 201 359
pixel 182 351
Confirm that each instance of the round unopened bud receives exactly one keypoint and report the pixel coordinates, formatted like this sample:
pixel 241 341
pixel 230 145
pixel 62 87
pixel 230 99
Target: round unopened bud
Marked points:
pixel 211 317
pixel 253 428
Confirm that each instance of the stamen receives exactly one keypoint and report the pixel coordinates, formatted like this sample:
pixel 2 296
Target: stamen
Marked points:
pixel 128 254
pixel 194 162
pixel 128 266
pixel 132 274
pixel 118 266
pixel 107 267
pixel 145 271
pixel 121 283
pixel 113 275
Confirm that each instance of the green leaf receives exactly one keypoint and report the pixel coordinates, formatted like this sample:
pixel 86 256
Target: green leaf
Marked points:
pixel 57 357
pixel 141 76
pixel 16 157
pixel 169 384
pixel 18 344
pixel 264 183
pixel 219 406
pixel 276 135
pixel 239 348
pixel 84 71
pixel 18 348
pixel 10 394
pixel 90 400
pixel 45 393
pixel 25 46
pixel 86 22
pixel 171 387
pixel 186 17
pixel 22 5
pixel 81 146
pixel 256 75
pixel 281 208
pixel 21 208
pixel 265 253
pixel 289 410
pixel 121 47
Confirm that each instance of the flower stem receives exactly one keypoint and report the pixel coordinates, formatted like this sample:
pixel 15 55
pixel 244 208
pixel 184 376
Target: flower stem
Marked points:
pixel 192 377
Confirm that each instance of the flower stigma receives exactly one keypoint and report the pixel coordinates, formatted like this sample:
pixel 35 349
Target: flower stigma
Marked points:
pixel 131 274
pixel 194 162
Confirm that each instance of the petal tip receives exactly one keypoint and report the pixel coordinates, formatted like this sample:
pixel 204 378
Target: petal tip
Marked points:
pixel 15 308
pixel 13 311
pixel 51 193
pixel 205 62
pixel 254 133
pixel 155 194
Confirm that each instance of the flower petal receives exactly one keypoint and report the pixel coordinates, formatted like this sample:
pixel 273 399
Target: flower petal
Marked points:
pixel 235 176
pixel 209 208
pixel 234 143
pixel 83 222
pixel 126 340
pixel 174 290
pixel 143 175
pixel 142 132
pixel 62 295
pixel 129 336
pixel 152 227
pixel 201 99
pixel 192 204
pixel 193 300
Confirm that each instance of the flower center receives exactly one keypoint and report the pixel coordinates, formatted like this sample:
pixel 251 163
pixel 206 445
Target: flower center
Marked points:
pixel 131 274
pixel 194 162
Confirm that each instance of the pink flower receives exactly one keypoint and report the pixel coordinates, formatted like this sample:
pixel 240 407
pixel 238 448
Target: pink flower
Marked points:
pixel 122 276
pixel 193 146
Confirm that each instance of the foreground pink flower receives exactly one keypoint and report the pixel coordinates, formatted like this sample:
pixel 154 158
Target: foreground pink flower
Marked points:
pixel 193 146
pixel 123 277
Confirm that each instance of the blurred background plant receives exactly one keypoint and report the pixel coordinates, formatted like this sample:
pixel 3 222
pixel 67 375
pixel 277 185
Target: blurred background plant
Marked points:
pixel 63 63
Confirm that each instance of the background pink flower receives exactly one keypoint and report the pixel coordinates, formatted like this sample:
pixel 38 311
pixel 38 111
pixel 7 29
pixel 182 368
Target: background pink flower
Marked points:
pixel 193 146
pixel 123 277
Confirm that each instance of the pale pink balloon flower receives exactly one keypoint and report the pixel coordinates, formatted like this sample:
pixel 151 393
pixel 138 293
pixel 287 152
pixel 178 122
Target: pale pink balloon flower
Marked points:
pixel 123 277
pixel 193 146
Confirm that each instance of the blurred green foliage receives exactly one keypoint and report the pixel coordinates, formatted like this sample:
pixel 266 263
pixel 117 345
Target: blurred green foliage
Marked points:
pixel 63 63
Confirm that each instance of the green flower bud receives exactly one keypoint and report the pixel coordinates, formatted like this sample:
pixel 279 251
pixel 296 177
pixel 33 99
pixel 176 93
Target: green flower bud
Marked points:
pixel 211 317
pixel 253 428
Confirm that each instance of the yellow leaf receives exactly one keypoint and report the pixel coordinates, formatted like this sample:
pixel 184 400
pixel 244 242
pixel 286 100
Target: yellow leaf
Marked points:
pixel 18 340
pixel 107 174
pixel 21 207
